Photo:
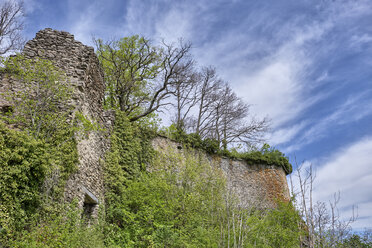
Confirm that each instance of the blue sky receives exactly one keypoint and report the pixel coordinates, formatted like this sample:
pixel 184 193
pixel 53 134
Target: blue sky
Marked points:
pixel 306 64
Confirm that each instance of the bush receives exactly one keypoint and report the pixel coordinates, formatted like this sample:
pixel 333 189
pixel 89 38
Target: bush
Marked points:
pixel 276 228
pixel 178 204
pixel 269 156
pixel 64 227
pixel 24 162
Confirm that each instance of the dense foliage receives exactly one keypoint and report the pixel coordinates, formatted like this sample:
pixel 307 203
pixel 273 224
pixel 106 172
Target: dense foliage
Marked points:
pixel 62 227
pixel 32 173
pixel 130 152
pixel 39 153
pixel 23 166
pixel 180 201
pixel 176 205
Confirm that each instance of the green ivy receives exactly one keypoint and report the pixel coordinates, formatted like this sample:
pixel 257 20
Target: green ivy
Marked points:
pixel 26 163
pixel 40 152
pixel 23 166
pixel 128 157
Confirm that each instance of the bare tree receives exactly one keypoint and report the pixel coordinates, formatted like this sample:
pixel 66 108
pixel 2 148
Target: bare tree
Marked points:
pixel 11 25
pixel 175 61
pixel 324 224
pixel 232 122
pixel 208 86
pixel 209 107
pixel 185 91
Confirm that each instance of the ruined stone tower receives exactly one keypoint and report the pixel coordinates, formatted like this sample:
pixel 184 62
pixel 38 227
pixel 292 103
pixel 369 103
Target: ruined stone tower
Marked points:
pixel 83 72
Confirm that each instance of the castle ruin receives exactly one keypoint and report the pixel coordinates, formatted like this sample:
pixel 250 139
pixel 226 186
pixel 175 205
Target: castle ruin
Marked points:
pixel 258 185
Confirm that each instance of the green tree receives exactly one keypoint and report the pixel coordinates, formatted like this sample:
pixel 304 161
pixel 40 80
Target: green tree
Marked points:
pixel 128 64
pixel 139 75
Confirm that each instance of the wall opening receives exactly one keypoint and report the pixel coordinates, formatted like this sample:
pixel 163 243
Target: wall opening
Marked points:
pixel 90 205
pixel 6 109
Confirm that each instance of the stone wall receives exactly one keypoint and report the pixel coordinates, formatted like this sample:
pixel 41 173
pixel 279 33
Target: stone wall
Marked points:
pixel 258 186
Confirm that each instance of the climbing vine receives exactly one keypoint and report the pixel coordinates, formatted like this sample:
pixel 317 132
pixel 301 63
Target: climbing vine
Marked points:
pixel 38 152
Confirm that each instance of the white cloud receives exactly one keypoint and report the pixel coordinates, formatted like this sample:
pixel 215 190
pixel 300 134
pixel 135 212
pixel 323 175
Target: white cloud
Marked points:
pixel 278 86
pixel 283 135
pixel 83 22
pixel 273 90
pixel 88 19
pixel 349 171
pixel 141 17
pixel 176 23
pixel 359 42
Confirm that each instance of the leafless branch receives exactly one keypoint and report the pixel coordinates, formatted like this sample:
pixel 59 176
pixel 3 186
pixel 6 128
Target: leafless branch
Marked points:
pixel 11 25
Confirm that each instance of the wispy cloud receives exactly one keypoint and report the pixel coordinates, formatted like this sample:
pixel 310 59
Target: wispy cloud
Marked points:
pixel 361 39
pixel 283 135
pixel 352 110
pixel 349 171
pixel 277 85
pixel 83 21
pixel 269 72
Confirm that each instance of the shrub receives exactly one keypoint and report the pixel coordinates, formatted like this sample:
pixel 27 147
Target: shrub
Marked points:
pixel 64 227
pixel 269 156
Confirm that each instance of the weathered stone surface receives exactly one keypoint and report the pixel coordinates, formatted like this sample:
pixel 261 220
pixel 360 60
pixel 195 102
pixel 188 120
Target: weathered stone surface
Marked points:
pixel 78 61
pixel 259 186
